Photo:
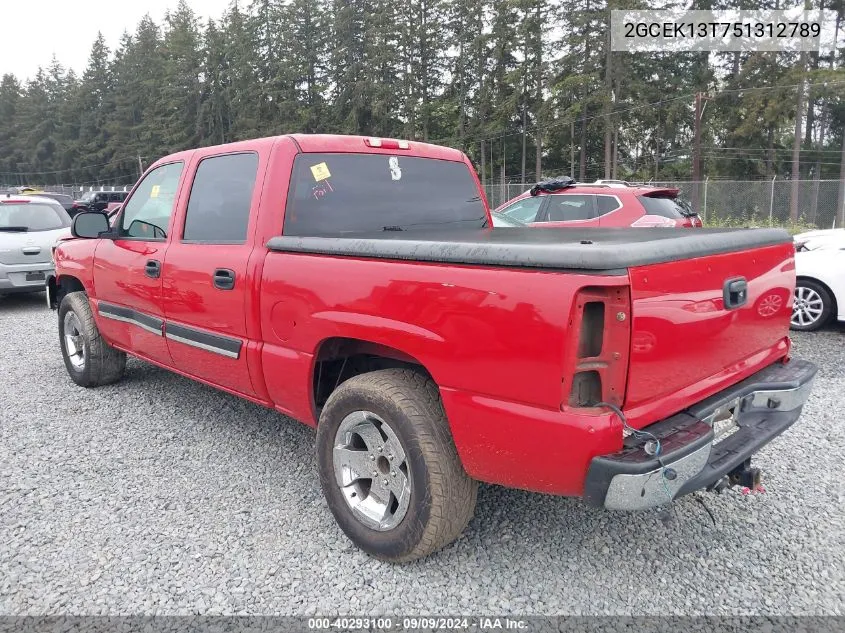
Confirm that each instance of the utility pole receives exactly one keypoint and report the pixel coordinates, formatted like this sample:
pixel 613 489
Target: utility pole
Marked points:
pixel 696 152
pixel 524 109
pixel 572 149
pixel 140 168
pixel 795 192
pixel 796 143
pixel 483 165
pixel 840 207
pixel 524 123
pixel 504 159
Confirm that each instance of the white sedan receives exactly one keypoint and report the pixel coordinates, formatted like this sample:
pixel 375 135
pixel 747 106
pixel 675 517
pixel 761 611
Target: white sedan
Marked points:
pixel 820 287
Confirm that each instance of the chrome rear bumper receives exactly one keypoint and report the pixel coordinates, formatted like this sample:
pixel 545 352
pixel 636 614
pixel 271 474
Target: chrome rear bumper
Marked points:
pixel 703 444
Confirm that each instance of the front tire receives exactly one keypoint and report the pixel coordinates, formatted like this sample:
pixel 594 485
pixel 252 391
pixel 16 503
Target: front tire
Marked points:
pixel 389 468
pixel 812 306
pixel 90 361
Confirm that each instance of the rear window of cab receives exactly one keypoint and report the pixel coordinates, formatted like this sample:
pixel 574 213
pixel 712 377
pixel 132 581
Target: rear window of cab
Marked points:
pixel 351 193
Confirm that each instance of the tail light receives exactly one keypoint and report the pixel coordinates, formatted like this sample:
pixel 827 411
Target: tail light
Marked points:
pixel 597 347
pixel 653 221
pixel 386 143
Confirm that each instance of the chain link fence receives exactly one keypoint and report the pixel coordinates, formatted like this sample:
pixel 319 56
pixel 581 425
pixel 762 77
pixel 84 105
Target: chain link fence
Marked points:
pixel 737 201
pixel 75 191
pixel 720 201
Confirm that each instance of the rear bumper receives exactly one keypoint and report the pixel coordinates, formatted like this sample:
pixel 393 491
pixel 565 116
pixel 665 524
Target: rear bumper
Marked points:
pixel 761 408
pixel 13 277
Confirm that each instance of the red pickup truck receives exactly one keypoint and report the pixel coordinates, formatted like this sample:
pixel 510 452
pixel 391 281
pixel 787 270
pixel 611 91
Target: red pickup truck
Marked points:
pixel 353 284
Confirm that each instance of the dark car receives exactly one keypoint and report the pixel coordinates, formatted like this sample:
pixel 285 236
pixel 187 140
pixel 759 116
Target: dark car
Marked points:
pixel 63 199
pixel 97 201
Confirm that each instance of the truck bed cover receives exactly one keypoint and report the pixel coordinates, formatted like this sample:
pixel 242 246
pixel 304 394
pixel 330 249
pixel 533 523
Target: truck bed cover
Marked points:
pixel 593 250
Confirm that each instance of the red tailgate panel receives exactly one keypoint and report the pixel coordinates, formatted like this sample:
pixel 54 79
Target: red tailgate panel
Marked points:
pixel 686 346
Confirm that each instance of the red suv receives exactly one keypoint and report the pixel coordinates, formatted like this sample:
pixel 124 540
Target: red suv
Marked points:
pixel 584 204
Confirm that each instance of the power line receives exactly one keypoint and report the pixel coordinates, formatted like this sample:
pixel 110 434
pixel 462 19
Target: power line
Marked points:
pixel 503 135
pixel 766 149
pixel 69 169
pixel 496 137
pixel 802 162
pixel 785 87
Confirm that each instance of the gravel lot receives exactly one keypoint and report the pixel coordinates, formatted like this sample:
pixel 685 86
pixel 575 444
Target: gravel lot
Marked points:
pixel 159 495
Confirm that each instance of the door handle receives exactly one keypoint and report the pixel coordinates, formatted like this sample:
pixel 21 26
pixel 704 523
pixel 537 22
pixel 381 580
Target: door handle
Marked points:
pixel 224 279
pixel 152 268
pixel 735 293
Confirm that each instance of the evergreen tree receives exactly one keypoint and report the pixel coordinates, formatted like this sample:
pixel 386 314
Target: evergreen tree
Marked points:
pixel 524 86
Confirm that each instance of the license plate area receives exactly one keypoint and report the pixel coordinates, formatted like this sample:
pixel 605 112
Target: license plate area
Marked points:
pixel 36 276
pixel 724 420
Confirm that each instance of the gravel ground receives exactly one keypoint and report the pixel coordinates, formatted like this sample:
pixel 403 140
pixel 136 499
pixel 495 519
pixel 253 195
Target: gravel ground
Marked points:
pixel 159 495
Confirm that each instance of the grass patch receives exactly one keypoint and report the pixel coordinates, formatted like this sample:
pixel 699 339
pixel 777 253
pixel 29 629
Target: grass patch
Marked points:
pixel 757 222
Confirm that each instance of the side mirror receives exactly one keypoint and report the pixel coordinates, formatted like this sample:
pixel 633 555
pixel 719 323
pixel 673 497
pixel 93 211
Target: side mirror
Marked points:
pixel 89 225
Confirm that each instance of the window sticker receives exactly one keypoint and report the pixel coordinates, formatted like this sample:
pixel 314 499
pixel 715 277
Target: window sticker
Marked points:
pixel 320 171
pixel 395 171
pixel 321 189
pixel 154 191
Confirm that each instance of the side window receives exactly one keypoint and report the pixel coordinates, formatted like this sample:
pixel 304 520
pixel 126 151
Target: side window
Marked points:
pixel 566 207
pixel 221 196
pixel 606 204
pixel 524 210
pixel 147 213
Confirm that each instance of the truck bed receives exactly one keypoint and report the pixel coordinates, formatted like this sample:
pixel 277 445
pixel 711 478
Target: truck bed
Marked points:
pixel 594 251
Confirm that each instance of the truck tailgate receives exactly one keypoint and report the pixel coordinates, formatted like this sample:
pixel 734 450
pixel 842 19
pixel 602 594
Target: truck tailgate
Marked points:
pixel 687 342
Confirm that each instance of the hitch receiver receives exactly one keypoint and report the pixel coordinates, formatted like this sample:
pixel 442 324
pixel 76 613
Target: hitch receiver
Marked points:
pixel 746 476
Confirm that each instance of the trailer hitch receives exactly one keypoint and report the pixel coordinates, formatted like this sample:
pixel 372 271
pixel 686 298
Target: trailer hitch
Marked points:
pixel 743 475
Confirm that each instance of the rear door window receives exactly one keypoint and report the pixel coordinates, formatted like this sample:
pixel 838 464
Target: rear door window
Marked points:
pixel 567 207
pixel 607 204
pixel 348 193
pixel 221 196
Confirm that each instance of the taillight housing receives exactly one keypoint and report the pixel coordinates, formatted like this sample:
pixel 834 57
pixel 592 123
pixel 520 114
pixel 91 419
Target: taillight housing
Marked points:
pixel 597 347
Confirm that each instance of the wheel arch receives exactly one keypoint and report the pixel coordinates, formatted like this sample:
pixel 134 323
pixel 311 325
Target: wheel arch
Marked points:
pixel 59 286
pixel 339 358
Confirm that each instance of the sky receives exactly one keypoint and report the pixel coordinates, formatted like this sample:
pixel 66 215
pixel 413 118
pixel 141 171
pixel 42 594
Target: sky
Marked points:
pixel 67 28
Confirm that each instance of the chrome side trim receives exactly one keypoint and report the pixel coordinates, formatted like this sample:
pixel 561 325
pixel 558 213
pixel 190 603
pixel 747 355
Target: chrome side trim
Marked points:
pixel 197 344
pixel 638 492
pixel 128 316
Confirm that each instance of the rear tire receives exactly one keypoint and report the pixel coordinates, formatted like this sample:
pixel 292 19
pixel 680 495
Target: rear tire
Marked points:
pixel 812 307
pixel 90 361
pixel 385 450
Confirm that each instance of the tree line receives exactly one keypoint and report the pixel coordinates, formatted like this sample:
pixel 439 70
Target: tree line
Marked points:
pixel 526 87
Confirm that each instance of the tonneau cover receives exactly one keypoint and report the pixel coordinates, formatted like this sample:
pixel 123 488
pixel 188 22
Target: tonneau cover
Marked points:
pixel 594 250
